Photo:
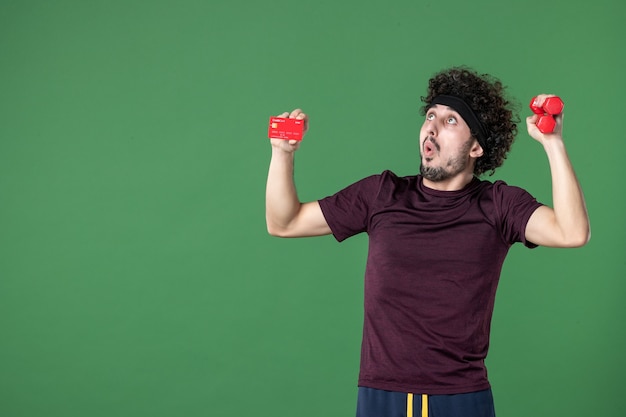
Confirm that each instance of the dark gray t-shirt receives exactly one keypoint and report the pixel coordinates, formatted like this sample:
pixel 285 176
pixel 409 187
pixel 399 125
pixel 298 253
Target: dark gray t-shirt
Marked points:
pixel 433 266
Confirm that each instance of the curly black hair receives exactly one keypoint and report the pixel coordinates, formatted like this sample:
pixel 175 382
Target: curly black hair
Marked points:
pixel 486 96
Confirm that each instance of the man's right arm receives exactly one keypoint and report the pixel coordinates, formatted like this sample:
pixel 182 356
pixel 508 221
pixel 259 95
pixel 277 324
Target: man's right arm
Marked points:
pixel 285 215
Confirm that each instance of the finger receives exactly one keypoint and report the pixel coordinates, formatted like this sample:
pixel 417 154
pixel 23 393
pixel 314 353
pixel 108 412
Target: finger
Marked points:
pixel 559 122
pixel 295 113
pixel 531 124
pixel 541 98
pixel 305 117
pixel 283 115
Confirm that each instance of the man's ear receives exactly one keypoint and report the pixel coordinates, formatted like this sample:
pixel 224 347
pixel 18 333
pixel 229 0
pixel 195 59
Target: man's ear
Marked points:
pixel 477 150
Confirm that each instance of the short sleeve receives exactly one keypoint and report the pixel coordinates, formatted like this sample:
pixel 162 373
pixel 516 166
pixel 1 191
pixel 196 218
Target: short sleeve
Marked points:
pixel 347 211
pixel 514 207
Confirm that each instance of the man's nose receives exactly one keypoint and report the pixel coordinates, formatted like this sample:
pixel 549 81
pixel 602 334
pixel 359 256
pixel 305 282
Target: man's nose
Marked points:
pixel 431 129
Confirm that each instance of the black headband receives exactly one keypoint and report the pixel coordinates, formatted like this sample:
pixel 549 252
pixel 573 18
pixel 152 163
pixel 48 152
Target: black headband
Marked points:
pixel 466 112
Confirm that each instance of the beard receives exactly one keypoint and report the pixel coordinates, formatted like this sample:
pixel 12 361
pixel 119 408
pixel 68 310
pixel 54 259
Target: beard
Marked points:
pixel 451 168
pixel 435 174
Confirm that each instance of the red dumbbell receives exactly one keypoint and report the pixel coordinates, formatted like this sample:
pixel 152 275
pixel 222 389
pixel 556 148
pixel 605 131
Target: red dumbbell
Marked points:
pixel 550 108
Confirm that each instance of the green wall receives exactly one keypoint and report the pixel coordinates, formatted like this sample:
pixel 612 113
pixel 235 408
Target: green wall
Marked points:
pixel 136 274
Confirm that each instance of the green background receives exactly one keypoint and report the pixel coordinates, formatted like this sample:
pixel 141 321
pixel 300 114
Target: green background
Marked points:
pixel 136 274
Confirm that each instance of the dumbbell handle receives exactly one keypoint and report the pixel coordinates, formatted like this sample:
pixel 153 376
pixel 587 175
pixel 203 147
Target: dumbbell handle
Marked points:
pixel 551 105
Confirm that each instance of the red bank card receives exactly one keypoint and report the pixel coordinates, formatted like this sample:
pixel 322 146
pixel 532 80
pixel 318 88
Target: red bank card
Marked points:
pixel 284 128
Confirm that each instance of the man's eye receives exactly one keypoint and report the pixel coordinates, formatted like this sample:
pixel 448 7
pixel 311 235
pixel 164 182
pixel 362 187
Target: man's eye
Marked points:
pixel 452 120
pixel 430 116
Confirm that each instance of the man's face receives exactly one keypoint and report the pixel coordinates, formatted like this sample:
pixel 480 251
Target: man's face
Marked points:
pixel 445 144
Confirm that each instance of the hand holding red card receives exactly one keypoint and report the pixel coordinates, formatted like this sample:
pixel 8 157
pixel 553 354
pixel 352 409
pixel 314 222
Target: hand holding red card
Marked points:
pixel 286 128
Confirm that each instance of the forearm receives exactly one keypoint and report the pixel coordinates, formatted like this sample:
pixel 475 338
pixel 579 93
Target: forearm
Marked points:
pixel 281 198
pixel 570 212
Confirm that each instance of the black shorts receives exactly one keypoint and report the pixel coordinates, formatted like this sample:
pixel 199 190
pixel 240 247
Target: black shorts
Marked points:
pixel 378 403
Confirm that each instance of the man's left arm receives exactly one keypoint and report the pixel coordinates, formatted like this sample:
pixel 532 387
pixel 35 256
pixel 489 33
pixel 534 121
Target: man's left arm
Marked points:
pixel 566 225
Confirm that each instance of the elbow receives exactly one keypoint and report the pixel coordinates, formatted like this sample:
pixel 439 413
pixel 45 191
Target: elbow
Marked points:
pixel 272 231
pixel 276 231
pixel 580 239
pixel 585 235
pixel 585 239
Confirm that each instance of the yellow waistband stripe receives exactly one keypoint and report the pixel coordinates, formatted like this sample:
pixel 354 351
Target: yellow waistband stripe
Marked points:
pixel 409 405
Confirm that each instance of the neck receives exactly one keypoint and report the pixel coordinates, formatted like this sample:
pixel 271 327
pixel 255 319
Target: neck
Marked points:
pixel 455 183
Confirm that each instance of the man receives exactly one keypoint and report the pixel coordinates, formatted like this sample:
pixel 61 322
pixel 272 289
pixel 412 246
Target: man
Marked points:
pixel 437 242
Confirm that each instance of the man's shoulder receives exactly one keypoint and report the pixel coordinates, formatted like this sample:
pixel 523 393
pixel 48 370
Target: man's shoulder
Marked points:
pixel 501 186
pixel 501 194
pixel 390 176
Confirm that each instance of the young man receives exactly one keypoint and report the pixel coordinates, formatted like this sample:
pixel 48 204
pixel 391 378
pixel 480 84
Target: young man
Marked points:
pixel 437 242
